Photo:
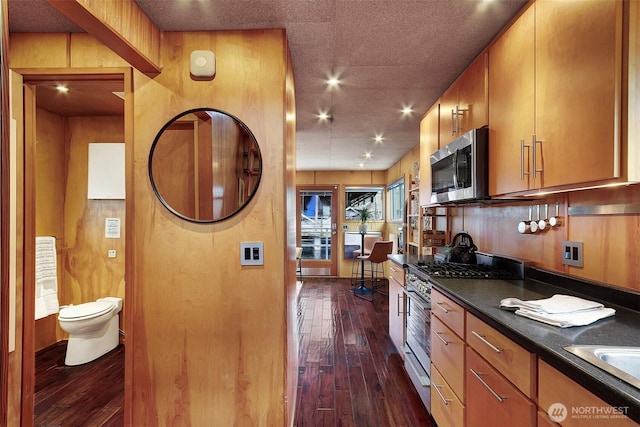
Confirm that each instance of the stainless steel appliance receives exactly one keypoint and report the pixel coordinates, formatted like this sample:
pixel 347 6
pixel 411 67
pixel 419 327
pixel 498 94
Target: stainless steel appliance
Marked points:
pixel 417 359
pixel 460 170
pixel 418 284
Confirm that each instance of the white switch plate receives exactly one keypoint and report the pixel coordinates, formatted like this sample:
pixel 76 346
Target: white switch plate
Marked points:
pixel 251 253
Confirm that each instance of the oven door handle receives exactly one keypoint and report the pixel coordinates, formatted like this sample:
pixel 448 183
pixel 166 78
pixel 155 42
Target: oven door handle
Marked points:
pixel 415 300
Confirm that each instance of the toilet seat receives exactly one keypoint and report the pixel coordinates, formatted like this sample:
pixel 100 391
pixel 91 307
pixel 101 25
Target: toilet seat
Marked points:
pixel 87 310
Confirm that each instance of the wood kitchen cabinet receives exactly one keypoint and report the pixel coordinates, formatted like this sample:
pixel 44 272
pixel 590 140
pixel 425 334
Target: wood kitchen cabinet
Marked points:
pixel 556 388
pixel 495 402
pixel 429 144
pixel 447 360
pixel 512 361
pixel 464 105
pixel 397 306
pixel 555 97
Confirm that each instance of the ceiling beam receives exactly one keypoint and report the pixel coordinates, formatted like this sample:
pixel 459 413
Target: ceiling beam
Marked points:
pixel 121 26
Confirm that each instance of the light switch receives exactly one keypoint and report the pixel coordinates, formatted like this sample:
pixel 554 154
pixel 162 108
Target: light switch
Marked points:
pixel 251 253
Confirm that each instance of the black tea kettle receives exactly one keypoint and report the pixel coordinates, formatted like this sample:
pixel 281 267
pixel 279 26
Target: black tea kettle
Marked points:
pixel 463 250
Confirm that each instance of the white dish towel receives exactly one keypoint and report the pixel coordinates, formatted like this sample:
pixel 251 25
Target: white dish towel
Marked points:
pixel 46 277
pixel 560 310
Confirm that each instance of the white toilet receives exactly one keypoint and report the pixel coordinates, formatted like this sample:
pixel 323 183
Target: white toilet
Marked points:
pixel 92 327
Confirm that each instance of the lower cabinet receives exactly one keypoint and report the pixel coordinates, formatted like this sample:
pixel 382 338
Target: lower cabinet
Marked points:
pixel 446 408
pixel 397 306
pixel 566 402
pixel 494 401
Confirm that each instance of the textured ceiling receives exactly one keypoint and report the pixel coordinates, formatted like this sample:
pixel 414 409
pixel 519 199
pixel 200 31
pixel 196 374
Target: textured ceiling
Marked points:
pixel 387 54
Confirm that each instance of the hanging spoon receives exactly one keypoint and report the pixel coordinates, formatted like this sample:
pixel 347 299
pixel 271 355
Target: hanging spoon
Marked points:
pixel 542 223
pixel 556 220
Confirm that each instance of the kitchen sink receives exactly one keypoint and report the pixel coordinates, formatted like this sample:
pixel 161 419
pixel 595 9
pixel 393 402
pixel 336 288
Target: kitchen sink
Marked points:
pixel 620 361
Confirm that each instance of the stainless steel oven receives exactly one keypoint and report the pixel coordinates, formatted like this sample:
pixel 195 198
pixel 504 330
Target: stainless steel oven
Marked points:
pixel 418 335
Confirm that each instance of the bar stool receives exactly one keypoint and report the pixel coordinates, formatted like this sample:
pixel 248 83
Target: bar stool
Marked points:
pixel 369 240
pixel 299 263
pixel 377 256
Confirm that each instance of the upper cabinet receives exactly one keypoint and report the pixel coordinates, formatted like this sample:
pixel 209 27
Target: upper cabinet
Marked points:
pixel 464 105
pixel 429 131
pixel 555 91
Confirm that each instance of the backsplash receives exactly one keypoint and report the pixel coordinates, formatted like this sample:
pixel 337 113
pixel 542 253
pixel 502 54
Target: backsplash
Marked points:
pixel 611 243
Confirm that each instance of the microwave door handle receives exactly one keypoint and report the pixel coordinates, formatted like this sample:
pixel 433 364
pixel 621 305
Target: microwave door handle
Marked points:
pixel 455 169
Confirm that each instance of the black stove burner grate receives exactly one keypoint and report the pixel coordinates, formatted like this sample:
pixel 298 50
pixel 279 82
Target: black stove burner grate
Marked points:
pixel 463 271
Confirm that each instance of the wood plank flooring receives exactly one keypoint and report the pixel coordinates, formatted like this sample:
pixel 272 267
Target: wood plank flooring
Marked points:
pixel 77 396
pixel 350 373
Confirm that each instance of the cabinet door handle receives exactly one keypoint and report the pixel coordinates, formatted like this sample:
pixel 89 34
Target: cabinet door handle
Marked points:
pixel 522 172
pixel 442 307
pixel 444 399
pixel 441 339
pixel 482 338
pixel 400 296
pixel 478 375
pixel 533 147
pixel 453 122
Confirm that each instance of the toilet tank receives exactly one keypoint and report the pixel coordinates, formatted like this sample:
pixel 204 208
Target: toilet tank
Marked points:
pixel 113 300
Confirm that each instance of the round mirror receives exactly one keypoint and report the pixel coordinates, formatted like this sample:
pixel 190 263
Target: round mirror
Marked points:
pixel 205 165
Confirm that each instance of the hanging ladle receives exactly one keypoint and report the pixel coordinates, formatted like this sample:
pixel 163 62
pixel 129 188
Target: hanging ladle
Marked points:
pixel 556 220
pixel 542 223
pixel 525 227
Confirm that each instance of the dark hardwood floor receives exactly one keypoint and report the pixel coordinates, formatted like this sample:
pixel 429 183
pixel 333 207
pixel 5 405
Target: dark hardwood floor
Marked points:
pixel 350 373
pixel 77 396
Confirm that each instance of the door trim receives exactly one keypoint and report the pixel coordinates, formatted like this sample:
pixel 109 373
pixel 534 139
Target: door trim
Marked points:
pixel 311 264
pixel 31 77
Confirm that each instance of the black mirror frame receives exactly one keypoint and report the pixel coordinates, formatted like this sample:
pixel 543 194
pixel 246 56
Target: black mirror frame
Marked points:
pixel 166 204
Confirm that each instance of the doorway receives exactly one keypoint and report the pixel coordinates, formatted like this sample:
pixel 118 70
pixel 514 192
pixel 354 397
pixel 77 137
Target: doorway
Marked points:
pixel 316 210
pixel 58 129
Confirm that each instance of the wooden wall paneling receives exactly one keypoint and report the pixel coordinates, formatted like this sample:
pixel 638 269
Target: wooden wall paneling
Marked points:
pixel 5 210
pixel 16 203
pixel 305 178
pixel 50 176
pixel 28 253
pixel 611 243
pixel 89 273
pixel 28 50
pixel 122 26
pixel 209 335
pixel 292 360
pixel 86 51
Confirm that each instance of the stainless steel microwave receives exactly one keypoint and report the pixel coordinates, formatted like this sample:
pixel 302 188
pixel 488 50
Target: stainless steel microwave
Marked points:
pixel 460 170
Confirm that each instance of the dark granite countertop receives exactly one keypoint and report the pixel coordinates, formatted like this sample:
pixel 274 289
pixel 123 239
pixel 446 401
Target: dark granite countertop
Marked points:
pixel 482 298
pixel 405 259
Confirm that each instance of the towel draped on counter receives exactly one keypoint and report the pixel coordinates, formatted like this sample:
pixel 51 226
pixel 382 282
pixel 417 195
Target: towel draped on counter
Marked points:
pixel 563 311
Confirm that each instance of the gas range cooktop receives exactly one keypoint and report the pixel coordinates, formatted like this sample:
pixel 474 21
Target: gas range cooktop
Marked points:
pixel 489 266
pixel 467 271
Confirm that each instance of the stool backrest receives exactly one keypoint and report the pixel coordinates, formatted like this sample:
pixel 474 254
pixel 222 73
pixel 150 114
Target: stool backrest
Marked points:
pixel 380 251
pixel 369 240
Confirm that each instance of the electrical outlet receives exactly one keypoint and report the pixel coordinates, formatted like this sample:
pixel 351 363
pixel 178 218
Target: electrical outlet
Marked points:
pixel 251 253
pixel 111 253
pixel 572 253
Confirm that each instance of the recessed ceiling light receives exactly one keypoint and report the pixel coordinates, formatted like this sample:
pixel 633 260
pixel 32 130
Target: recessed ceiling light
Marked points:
pixel 324 116
pixel 361 165
pixel 367 155
pixel 407 110
pixel 62 88
pixel 378 138
pixel 333 82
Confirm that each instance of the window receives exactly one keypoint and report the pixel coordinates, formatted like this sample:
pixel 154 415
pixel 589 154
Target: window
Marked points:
pixel 395 196
pixel 360 197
